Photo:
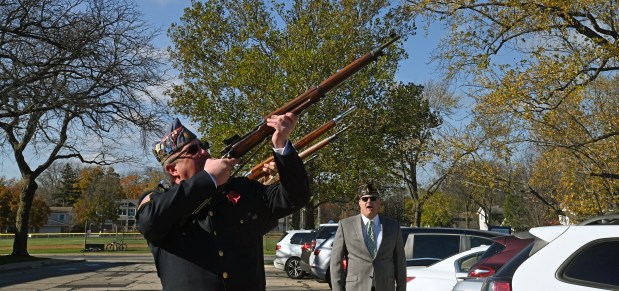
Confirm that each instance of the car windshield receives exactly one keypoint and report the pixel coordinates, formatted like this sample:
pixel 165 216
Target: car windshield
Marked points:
pixel 328 242
pixel 326 232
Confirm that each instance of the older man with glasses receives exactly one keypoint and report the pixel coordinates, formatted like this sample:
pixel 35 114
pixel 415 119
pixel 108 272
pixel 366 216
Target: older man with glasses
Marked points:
pixel 219 247
pixel 368 250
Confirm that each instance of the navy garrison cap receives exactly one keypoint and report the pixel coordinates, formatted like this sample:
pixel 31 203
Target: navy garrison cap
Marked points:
pixel 176 138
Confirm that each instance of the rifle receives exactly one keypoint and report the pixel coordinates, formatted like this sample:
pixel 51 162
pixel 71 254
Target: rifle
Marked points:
pixel 237 146
pixel 312 150
pixel 275 179
pixel 257 173
pixel 321 144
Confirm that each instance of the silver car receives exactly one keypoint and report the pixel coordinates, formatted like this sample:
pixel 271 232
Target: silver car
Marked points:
pixel 288 252
pixel 322 258
pixel 323 233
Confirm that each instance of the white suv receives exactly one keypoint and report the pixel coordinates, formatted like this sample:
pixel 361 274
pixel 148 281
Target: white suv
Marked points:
pixel 579 257
pixel 567 258
pixel 288 252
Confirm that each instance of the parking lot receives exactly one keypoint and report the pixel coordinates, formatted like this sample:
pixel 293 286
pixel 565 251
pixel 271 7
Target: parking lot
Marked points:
pixel 105 272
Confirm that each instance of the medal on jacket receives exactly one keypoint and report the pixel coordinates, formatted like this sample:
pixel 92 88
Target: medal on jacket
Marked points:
pixel 233 197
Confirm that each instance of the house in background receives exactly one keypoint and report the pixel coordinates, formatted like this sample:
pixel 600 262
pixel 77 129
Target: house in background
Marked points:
pixel 126 215
pixel 59 220
pixel 495 218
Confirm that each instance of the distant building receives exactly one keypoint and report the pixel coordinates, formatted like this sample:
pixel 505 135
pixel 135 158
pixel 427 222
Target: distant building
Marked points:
pixel 60 219
pixel 466 219
pixel 126 215
pixel 496 217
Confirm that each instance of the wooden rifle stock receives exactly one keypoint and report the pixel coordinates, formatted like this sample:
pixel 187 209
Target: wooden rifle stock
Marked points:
pixel 256 172
pixel 236 146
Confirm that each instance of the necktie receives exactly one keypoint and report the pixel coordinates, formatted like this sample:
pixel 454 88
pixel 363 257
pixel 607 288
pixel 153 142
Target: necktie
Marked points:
pixel 371 242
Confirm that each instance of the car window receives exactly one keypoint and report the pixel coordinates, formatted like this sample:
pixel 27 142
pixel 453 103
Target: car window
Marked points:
pixel 479 241
pixel 464 264
pixel 299 238
pixel 435 246
pixel 595 264
pixel 308 237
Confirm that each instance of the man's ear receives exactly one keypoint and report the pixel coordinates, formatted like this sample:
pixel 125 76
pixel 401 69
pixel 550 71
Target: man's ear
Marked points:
pixel 171 169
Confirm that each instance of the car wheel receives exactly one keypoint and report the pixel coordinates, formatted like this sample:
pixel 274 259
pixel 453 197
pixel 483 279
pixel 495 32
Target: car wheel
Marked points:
pixel 293 269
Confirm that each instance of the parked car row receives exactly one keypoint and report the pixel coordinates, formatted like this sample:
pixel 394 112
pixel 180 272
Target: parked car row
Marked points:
pixel 502 250
pixel 423 246
pixel 577 257
pixel 294 243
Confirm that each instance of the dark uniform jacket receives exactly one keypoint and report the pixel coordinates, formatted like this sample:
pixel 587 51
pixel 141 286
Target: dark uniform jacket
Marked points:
pixel 221 247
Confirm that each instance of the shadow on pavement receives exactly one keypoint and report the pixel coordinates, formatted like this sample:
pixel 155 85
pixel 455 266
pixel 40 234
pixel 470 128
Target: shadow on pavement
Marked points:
pixel 20 273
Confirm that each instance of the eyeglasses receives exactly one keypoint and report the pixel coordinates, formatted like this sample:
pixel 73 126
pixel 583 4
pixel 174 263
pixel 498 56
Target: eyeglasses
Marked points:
pixel 194 149
pixel 372 198
pixel 191 151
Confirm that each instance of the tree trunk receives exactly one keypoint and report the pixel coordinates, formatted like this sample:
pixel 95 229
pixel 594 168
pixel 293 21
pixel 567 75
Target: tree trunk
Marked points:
pixel 309 216
pixel 417 216
pixel 415 195
pixel 296 220
pixel 20 244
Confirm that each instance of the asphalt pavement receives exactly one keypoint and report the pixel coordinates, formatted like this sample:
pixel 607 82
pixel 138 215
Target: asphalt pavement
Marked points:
pixel 114 271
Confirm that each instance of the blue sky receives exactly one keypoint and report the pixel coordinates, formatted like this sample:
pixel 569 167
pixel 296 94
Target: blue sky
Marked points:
pixel 161 13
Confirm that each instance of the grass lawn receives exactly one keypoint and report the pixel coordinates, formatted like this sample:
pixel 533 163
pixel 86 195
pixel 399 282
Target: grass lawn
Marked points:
pixel 67 243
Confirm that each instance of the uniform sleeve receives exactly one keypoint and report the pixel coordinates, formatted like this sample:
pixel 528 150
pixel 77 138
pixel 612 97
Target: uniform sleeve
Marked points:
pixel 292 192
pixel 160 212
pixel 338 252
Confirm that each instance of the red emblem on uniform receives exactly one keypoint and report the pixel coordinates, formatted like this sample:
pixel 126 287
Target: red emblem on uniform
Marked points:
pixel 233 197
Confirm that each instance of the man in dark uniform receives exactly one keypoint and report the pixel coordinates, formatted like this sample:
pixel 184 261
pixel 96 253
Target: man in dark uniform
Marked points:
pixel 219 248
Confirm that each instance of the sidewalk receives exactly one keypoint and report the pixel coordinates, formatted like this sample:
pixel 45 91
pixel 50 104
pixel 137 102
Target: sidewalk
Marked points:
pixel 115 271
pixel 38 264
